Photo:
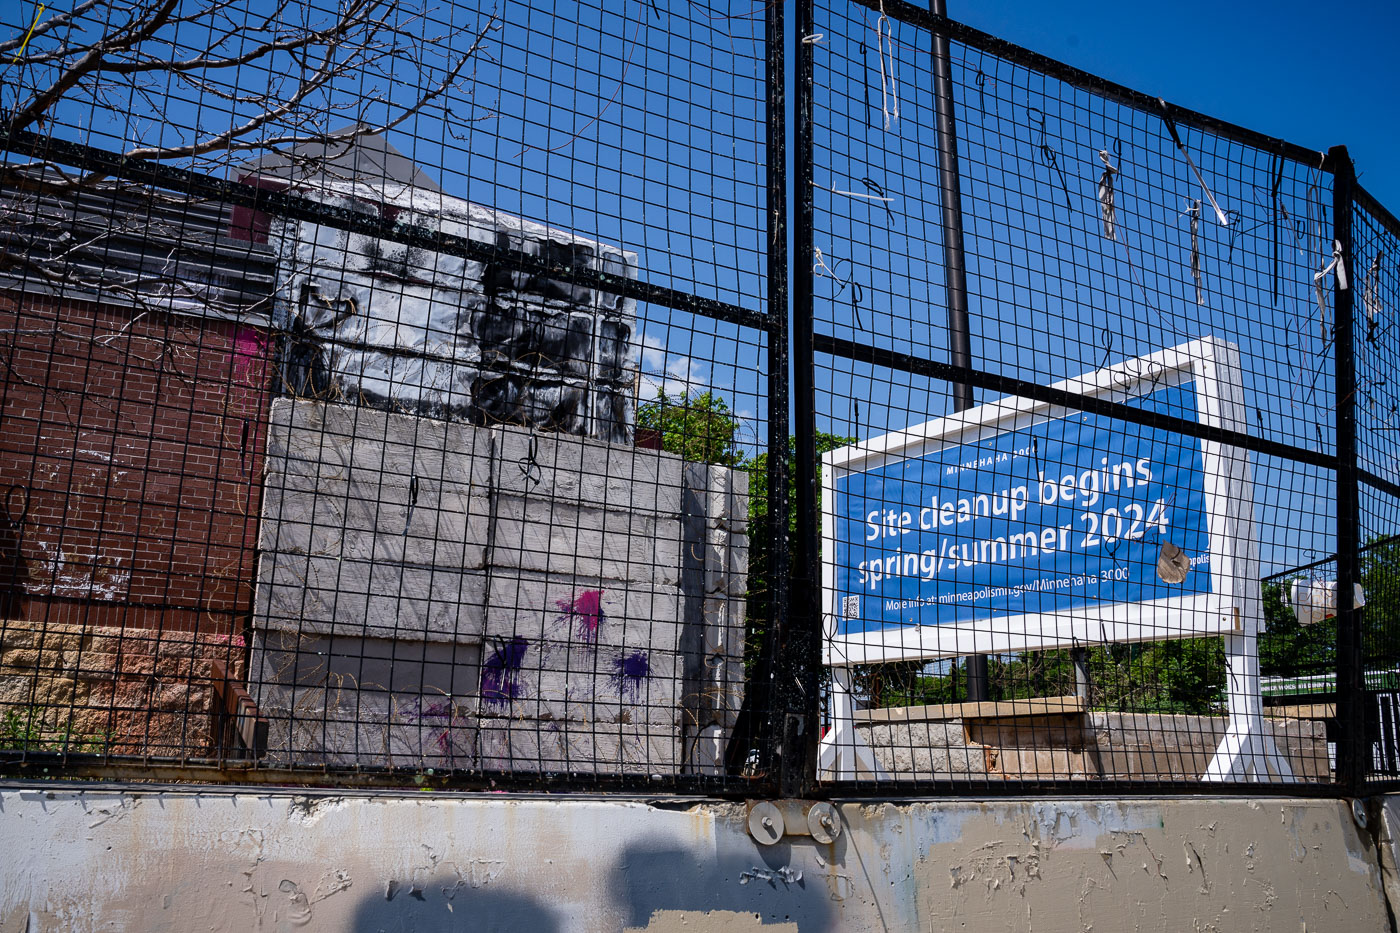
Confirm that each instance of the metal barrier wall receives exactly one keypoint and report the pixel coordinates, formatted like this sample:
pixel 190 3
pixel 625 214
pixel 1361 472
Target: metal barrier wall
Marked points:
pixel 404 395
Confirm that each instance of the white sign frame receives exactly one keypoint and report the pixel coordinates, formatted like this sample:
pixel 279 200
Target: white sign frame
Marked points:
pixel 1233 608
pixel 1212 367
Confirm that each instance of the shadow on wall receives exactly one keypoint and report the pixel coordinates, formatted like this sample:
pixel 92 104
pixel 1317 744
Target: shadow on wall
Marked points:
pixel 763 882
pixel 440 904
pixel 645 880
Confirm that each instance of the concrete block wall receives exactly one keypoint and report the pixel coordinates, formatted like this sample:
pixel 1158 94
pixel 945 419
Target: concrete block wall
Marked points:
pixel 1098 745
pixel 105 689
pixel 433 593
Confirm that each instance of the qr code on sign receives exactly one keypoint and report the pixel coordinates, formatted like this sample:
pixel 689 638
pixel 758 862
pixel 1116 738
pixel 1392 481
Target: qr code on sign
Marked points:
pixel 850 607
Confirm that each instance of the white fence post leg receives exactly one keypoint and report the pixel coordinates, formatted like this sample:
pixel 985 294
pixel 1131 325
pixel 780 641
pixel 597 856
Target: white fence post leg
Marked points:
pixel 843 754
pixel 1246 751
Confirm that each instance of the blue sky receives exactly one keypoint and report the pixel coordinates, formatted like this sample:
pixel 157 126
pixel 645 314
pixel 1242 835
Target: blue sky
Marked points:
pixel 641 124
pixel 1051 295
pixel 1317 75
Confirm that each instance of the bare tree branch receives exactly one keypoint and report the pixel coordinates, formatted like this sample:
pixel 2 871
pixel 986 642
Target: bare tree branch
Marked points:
pixel 43 28
pixel 123 38
pixel 76 61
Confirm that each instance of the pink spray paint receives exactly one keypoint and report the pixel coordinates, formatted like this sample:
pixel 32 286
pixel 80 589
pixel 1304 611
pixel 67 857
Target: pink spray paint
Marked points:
pixel 586 610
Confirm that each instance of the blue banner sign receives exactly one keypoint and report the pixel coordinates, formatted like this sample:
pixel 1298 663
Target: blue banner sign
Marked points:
pixel 1063 515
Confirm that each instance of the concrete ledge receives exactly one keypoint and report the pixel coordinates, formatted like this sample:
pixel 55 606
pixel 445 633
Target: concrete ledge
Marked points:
pixel 102 858
pixel 1303 711
pixel 1000 709
pixel 1075 746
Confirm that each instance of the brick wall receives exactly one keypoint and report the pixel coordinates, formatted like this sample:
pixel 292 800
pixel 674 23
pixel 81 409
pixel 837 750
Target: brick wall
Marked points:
pixel 130 470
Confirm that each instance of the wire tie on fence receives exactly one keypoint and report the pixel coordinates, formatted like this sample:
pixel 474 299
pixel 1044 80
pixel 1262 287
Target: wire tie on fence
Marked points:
pixel 1107 346
pixel 1048 156
pixel 865 85
pixel 853 194
pixel 889 84
pixel 16 520
pixel 1106 194
pixel 1278 208
pixel 1194 212
pixel 871 185
pixel 1370 297
pixel 529 466
pixel 857 296
pixel 1176 138
pixel 1235 218
pixel 814 39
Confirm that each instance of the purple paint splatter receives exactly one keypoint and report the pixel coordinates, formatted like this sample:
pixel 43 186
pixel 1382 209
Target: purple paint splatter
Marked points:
pixel 439 710
pixel 500 676
pixel 586 609
pixel 629 671
pixel 443 735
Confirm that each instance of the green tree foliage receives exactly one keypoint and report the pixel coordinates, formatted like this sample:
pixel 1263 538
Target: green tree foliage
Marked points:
pixel 1288 649
pixel 1380 579
pixel 702 428
pixel 760 549
pixel 1156 677
pixel 699 427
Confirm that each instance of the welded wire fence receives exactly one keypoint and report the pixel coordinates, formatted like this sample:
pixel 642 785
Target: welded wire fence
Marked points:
pixel 1085 388
pixel 386 394
pixel 415 394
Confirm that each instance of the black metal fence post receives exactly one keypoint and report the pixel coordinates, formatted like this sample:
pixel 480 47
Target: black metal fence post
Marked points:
pixel 766 698
pixel 801 643
pixel 1351 711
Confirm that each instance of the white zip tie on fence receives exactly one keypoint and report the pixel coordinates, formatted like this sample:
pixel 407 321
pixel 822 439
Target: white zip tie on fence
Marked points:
pixel 1335 266
pixel 1171 128
pixel 889 85
pixel 1106 195
pixel 852 194
pixel 814 38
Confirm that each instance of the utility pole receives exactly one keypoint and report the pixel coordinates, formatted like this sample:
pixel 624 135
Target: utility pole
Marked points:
pixel 955 268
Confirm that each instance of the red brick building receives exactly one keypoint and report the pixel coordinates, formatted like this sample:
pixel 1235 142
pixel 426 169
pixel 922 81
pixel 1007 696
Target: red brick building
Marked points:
pixel 133 401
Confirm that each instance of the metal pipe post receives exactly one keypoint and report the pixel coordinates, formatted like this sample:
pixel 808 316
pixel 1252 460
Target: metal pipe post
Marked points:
pixel 1351 709
pixel 954 264
pixel 802 642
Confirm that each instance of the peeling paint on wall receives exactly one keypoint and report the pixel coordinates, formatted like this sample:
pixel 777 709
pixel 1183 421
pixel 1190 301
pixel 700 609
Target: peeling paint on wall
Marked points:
pixel 275 861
